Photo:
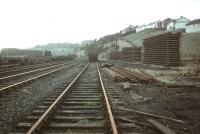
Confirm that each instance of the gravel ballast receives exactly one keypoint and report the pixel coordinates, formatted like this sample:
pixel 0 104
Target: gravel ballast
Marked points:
pixel 14 106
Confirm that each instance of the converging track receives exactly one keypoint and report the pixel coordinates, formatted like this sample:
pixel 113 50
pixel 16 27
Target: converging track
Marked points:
pixel 89 105
pixel 12 81
pixel 82 107
pixel 20 69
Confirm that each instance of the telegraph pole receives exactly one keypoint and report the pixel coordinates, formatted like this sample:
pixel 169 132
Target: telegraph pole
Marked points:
pixel 116 47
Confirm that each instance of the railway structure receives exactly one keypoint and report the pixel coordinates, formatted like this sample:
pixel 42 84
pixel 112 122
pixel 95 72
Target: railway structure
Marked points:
pixel 20 69
pixel 89 104
pixel 10 82
pixel 83 107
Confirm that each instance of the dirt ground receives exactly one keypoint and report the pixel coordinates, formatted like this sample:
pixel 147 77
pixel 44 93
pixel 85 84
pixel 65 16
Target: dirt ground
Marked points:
pixel 176 95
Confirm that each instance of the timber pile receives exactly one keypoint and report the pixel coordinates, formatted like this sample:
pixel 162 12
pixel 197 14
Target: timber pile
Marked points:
pixel 115 55
pixel 122 74
pixel 131 54
pixel 113 75
pixel 162 49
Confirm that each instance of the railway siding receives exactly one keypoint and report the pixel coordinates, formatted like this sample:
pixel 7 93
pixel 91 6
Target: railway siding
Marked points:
pixel 90 104
pixel 16 105
pixel 9 84
pixel 82 110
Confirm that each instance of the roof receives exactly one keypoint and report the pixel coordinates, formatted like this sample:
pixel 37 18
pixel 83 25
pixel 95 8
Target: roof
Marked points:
pixel 168 19
pixel 182 19
pixel 197 21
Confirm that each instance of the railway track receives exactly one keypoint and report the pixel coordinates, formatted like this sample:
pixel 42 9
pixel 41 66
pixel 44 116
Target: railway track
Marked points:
pixel 4 66
pixel 19 69
pixel 82 107
pixel 10 82
pixel 89 104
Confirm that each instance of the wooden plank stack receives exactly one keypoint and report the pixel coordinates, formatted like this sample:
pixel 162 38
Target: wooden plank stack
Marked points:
pixel 131 54
pixel 162 49
pixel 115 55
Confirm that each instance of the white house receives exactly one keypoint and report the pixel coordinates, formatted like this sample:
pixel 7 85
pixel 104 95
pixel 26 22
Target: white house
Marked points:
pixel 193 26
pixel 171 25
pixel 156 24
pixel 140 28
pixel 181 22
pixel 178 24
pixel 165 22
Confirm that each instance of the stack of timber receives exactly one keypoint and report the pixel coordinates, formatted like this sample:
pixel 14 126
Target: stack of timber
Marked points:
pixel 113 75
pixel 162 49
pixel 115 55
pixel 131 54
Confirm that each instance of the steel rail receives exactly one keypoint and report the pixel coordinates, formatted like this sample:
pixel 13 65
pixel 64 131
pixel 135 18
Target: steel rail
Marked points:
pixel 36 77
pixel 136 74
pixel 29 66
pixel 111 118
pixel 40 121
pixel 36 70
pixel 10 70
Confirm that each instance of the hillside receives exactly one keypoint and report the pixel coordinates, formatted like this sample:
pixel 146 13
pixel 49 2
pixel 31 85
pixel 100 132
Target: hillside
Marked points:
pixel 58 49
pixel 108 43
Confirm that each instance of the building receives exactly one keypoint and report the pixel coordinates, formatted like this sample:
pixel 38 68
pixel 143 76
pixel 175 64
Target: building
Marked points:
pixel 171 25
pixel 20 53
pixel 193 26
pixel 156 24
pixel 140 28
pixel 129 29
pixel 178 24
pixel 165 22
pixel 181 22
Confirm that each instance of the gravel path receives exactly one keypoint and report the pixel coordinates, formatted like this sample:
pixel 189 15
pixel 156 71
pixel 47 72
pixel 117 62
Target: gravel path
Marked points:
pixel 17 104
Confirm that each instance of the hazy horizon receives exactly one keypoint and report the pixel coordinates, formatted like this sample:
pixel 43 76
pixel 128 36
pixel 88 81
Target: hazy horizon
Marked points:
pixel 25 24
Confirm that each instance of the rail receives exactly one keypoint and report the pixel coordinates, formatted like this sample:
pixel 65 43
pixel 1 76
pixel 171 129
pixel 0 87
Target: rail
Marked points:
pixel 31 79
pixel 38 124
pixel 36 70
pixel 111 118
pixel 53 106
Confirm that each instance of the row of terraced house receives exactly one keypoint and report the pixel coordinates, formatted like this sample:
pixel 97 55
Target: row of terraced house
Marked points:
pixel 174 24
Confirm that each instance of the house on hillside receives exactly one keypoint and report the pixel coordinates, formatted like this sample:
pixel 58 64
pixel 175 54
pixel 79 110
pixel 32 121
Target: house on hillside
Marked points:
pixel 181 22
pixel 193 26
pixel 140 28
pixel 129 29
pixel 156 24
pixel 178 24
pixel 171 25
pixel 165 22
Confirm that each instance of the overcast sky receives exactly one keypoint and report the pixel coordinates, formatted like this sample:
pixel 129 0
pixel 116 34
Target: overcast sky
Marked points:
pixel 26 23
